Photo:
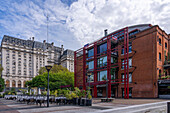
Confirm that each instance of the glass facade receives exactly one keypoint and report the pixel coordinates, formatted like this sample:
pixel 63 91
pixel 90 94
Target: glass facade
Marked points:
pixel 102 48
pixel 90 65
pixel 91 78
pixel 130 48
pixel 102 61
pixel 90 52
pixel 102 75
pixel 130 63
pixel 130 77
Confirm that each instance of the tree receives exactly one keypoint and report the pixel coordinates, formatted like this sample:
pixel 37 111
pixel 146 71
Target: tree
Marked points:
pixel 42 70
pixel 58 76
pixel 55 69
pixel 1 68
pixel 2 84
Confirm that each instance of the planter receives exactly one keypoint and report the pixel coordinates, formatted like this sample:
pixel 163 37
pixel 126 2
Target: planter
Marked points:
pixel 88 102
pixel 79 101
pixel 75 101
pixel 83 102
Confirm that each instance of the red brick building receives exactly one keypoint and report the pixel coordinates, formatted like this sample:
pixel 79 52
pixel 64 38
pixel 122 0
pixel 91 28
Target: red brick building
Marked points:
pixel 140 52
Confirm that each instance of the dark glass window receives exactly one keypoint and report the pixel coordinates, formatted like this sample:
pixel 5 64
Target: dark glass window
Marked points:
pixel 130 77
pixel 91 52
pixel 90 65
pixel 102 48
pixel 159 56
pixel 102 75
pixel 159 41
pixel 102 61
pixel 160 73
pixel 122 51
pixel 165 45
pixel 130 92
pixel 130 48
pixel 130 63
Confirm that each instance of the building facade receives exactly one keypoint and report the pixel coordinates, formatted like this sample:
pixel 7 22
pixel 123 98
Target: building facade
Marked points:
pixel 140 52
pixel 22 59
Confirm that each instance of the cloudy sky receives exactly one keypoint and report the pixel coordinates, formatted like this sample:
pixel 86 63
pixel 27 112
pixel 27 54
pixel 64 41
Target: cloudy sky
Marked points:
pixel 74 23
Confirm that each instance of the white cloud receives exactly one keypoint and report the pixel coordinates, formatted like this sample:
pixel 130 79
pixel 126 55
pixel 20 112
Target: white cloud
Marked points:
pixel 88 18
pixel 81 22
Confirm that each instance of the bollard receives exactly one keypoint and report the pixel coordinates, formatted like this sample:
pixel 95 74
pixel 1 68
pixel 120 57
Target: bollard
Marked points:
pixel 168 107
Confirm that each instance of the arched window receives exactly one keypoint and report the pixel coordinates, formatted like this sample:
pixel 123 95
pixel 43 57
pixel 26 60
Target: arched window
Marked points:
pixel 13 83
pixel 7 83
pixel 19 83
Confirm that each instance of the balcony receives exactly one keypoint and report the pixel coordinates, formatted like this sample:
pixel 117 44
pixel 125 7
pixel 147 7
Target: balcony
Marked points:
pixel 166 64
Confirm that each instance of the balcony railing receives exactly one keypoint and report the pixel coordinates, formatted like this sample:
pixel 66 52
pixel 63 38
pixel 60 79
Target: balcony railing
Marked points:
pixel 166 64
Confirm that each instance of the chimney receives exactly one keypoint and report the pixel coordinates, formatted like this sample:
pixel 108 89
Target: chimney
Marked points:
pixel 32 38
pixel 105 32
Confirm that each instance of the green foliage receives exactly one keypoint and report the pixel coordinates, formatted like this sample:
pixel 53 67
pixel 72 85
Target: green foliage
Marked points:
pixel 73 95
pixel 53 92
pixel 1 68
pixel 2 84
pixel 89 94
pixel 12 92
pixel 77 91
pixel 42 70
pixel 69 96
pixel 55 69
pixel 58 76
pixel 23 91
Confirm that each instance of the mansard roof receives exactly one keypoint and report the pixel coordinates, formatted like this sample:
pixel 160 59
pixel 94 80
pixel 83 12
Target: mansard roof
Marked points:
pixel 30 43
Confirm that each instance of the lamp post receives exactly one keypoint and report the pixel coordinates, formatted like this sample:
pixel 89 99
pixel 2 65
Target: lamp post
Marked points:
pixel 48 68
pixel 89 82
pixel 107 89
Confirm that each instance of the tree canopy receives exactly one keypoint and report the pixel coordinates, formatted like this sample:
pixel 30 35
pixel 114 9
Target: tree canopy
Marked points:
pixel 58 76
pixel 2 83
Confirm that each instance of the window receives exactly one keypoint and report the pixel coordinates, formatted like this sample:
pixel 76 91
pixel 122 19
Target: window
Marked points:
pixel 130 63
pixel 130 92
pixel 102 61
pixel 91 52
pixel 165 45
pixel 90 65
pixel 113 74
pixel 130 48
pixel 91 78
pixel 122 51
pixel 102 48
pixel 159 41
pixel 99 92
pixel 159 56
pixel 160 73
pixel 130 77
pixel 102 75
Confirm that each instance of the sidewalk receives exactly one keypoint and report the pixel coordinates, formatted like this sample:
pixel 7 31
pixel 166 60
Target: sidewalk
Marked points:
pixel 5 109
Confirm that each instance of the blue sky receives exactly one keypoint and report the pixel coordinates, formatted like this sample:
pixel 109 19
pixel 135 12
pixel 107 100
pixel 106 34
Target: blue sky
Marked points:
pixel 74 23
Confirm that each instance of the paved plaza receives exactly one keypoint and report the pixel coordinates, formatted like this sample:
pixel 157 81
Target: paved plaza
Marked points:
pixel 117 106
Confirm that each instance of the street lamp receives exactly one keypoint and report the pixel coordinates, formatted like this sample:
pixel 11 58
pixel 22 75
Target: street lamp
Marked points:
pixel 48 68
pixel 107 89
pixel 89 82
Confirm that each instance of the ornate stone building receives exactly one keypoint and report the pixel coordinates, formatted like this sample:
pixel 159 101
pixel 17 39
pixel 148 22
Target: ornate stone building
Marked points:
pixel 22 59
